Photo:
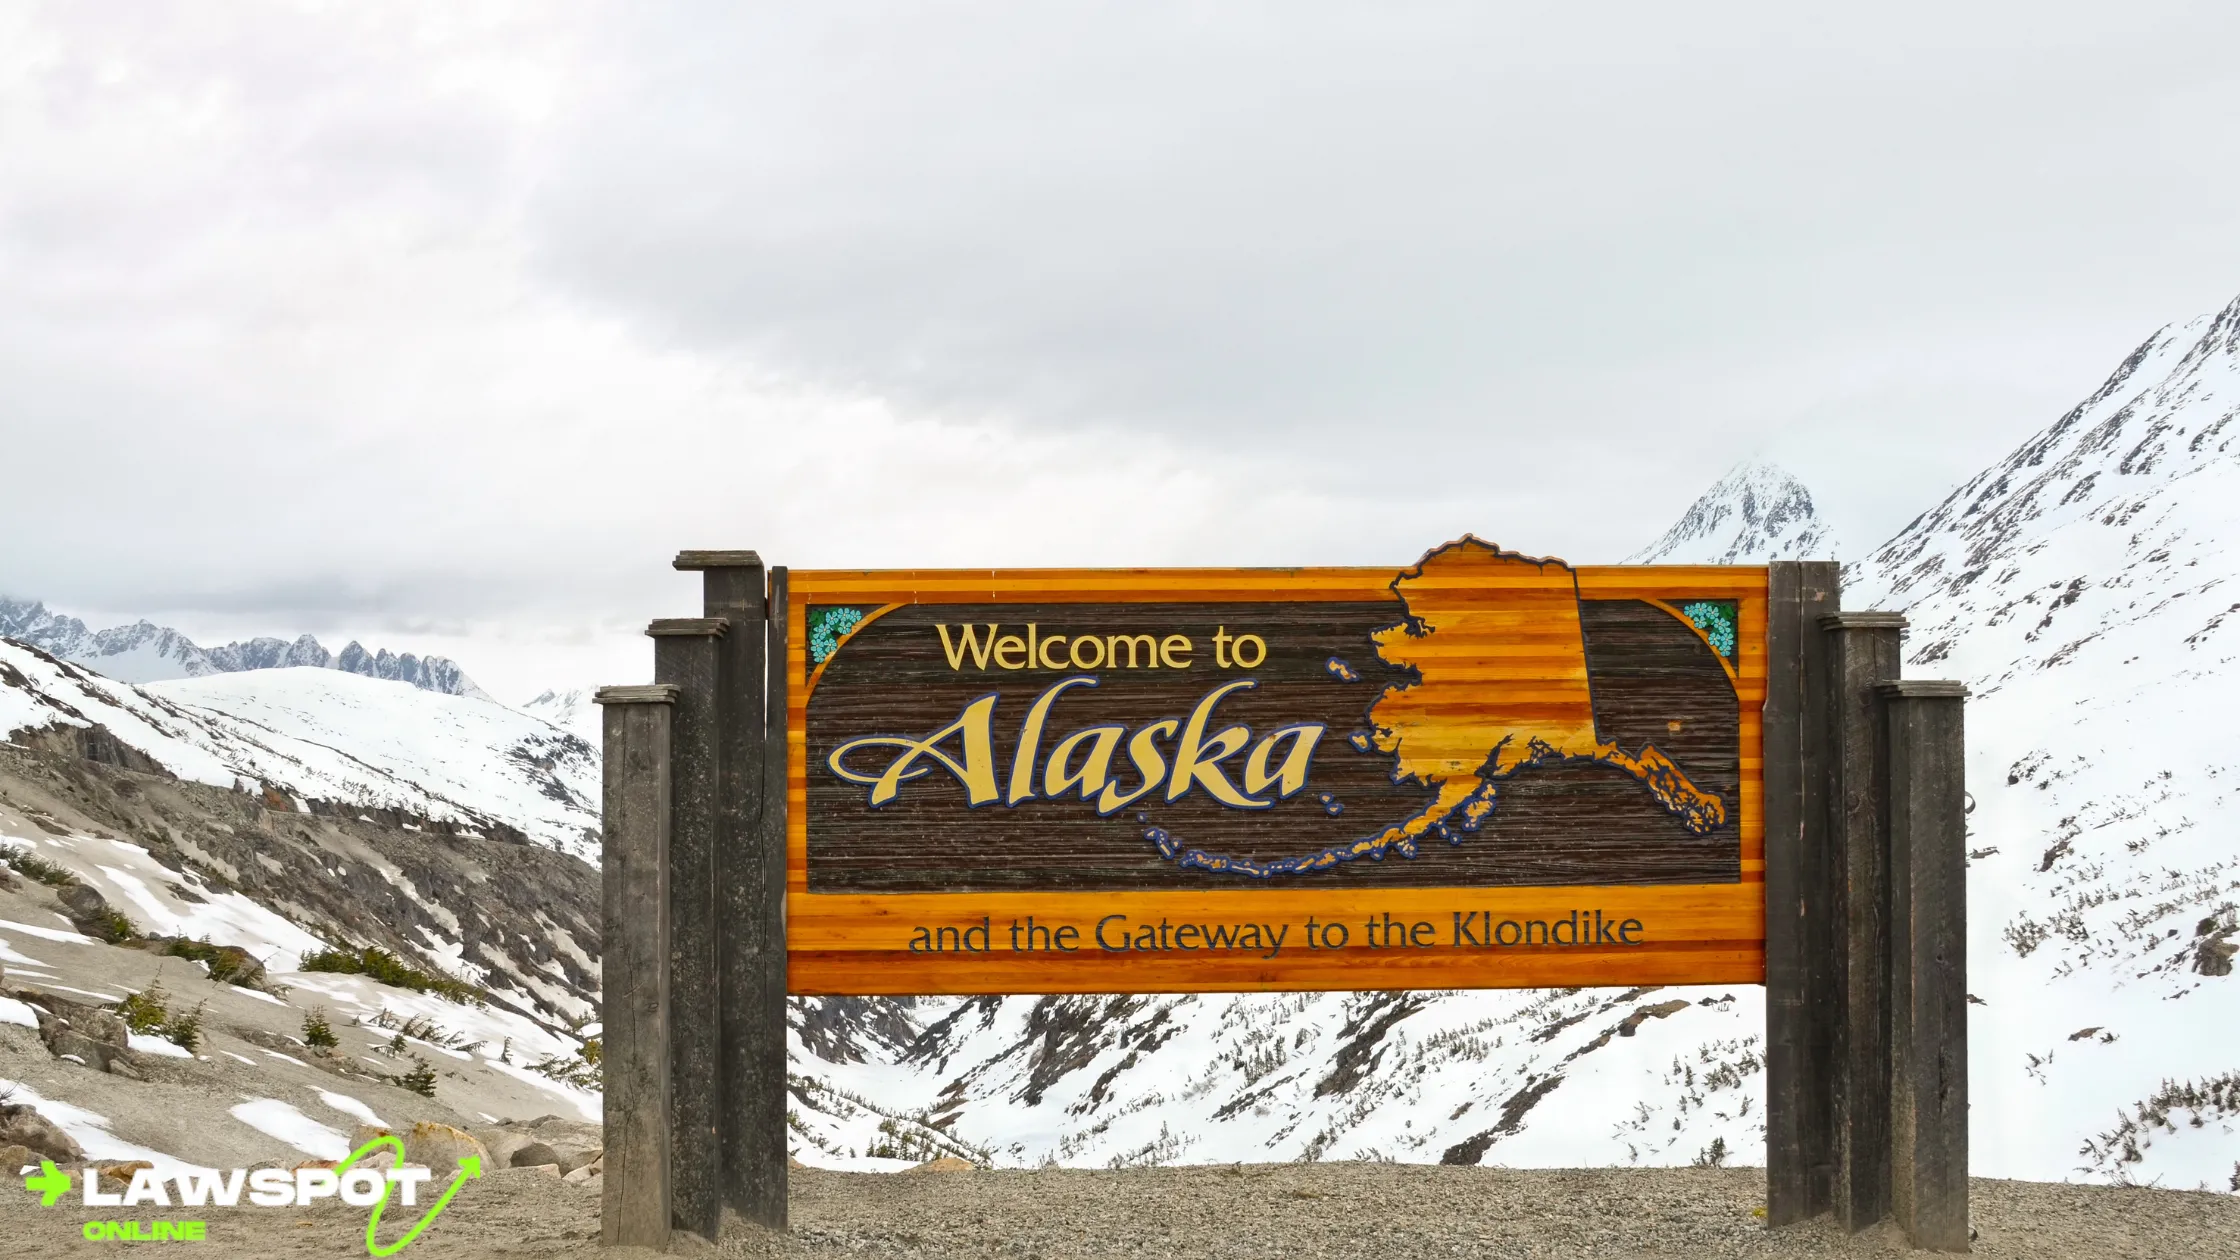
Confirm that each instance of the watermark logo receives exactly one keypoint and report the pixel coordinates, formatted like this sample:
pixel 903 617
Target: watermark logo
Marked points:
pixel 265 1188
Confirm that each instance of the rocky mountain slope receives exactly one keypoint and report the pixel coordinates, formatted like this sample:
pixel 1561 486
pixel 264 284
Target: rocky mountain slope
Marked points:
pixel 1756 513
pixel 325 739
pixel 145 652
pixel 2088 590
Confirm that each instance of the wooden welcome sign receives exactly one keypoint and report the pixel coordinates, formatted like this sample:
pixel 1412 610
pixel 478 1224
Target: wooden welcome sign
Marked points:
pixel 1483 770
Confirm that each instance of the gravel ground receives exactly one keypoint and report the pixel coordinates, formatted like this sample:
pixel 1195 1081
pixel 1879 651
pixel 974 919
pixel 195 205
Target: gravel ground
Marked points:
pixel 1375 1211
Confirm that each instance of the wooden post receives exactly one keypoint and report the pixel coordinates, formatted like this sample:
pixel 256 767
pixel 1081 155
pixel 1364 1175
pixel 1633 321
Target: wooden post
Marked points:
pixel 1800 1008
pixel 1863 653
pixel 634 967
pixel 749 901
pixel 684 654
pixel 1925 760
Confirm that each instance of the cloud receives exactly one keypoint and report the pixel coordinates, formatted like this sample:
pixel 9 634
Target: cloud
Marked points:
pixel 463 317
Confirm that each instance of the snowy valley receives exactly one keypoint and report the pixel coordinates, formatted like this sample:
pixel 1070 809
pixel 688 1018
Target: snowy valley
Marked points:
pixel 2084 587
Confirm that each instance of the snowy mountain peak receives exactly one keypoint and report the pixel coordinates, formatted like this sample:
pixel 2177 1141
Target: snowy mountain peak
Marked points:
pixel 145 652
pixel 1756 513
pixel 2101 521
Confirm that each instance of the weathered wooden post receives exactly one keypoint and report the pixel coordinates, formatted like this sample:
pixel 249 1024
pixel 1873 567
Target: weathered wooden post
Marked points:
pixel 1801 1013
pixel 1864 652
pixel 749 884
pixel 634 966
pixel 685 656
pixel 1925 767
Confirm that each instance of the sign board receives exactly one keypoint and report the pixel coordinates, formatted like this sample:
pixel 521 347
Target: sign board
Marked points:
pixel 1483 770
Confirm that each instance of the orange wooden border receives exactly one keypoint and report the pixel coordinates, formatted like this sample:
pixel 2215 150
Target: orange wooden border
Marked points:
pixel 857 943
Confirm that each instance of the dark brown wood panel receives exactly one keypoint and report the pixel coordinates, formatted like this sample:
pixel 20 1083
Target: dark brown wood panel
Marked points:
pixel 1654 682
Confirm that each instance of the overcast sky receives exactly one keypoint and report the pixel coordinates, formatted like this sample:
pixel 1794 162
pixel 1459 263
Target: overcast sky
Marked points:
pixel 444 325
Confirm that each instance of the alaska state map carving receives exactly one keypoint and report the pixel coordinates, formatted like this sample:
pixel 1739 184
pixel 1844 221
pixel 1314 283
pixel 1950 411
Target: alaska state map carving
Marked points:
pixel 1501 686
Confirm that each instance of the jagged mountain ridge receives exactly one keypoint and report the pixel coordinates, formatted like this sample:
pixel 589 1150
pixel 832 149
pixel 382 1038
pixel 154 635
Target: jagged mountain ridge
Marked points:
pixel 145 652
pixel 320 735
pixel 1757 512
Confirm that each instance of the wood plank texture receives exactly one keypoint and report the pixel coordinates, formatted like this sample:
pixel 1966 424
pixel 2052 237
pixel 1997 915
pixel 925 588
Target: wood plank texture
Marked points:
pixel 1799 1018
pixel 685 655
pixel 634 967
pixel 1577 664
pixel 1864 652
pixel 734 588
pixel 861 943
pixel 1926 756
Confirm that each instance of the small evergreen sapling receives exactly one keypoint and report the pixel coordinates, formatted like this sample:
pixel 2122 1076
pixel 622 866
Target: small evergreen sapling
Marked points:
pixel 421 1079
pixel 317 1033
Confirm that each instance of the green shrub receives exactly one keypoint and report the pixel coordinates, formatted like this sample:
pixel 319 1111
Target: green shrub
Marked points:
pixel 114 927
pixel 317 1033
pixel 224 964
pixel 420 1080
pixel 23 860
pixel 185 1031
pixel 379 964
pixel 145 1012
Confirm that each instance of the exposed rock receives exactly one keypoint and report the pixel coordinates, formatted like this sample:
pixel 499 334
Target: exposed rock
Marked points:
pixel 91 1035
pixel 122 1173
pixel 532 1154
pixel 22 1125
pixel 15 1157
pixel 89 911
pixel 945 1164
pixel 573 1160
pixel 441 1147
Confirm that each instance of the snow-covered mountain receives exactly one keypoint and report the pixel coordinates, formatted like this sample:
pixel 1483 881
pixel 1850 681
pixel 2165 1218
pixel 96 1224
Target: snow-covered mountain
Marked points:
pixel 2087 587
pixel 327 736
pixel 2084 587
pixel 571 710
pixel 144 652
pixel 1756 513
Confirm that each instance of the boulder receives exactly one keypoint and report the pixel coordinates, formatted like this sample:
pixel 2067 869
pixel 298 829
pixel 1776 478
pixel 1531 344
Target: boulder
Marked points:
pixel 533 1154
pixel 441 1147
pixel 91 1035
pixel 947 1163
pixel 549 1170
pixel 382 1158
pixel 15 1157
pixel 587 1175
pixel 22 1125
pixel 122 1173
pixel 572 1160
pixel 89 911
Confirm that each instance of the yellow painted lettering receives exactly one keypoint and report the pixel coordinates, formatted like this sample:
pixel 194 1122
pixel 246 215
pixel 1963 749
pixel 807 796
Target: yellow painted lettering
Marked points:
pixel 1112 644
pixel 1096 767
pixel 1169 647
pixel 1009 647
pixel 1030 737
pixel 1143 749
pixel 968 640
pixel 1292 774
pixel 976 771
pixel 1197 759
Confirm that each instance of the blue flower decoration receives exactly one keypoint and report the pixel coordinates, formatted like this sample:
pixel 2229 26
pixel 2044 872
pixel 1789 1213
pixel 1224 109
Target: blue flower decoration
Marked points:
pixel 827 626
pixel 1716 618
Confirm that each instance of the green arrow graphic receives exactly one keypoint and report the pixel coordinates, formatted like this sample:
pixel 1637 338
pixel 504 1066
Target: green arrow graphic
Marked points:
pixel 470 1168
pixel 50 1182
